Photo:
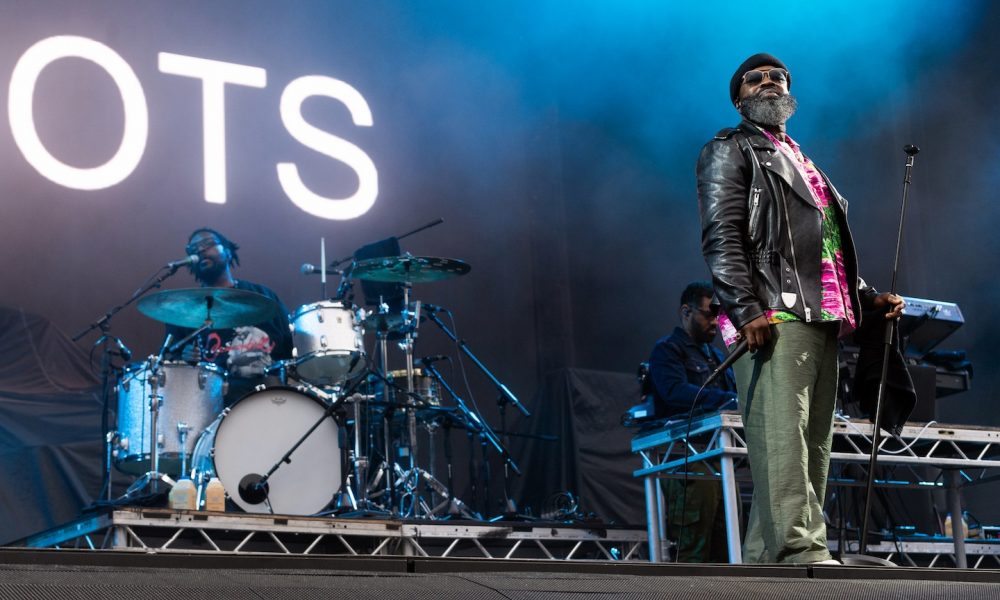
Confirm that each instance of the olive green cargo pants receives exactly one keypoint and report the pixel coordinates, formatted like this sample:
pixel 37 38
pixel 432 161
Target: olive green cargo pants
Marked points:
pixel 788 393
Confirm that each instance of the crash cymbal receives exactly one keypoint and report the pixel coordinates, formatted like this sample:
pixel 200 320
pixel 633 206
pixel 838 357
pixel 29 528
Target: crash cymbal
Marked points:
pixel 409 269
pixel 227 307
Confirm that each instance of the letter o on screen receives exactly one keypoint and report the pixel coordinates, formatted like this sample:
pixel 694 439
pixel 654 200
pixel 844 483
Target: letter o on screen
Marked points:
pixel 22 121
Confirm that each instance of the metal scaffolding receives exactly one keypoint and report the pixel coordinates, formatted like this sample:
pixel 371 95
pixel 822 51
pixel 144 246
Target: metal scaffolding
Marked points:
pixel 715 447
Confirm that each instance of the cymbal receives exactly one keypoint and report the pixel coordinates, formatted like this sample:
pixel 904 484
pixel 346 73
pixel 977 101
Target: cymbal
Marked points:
pixel 190 307
pixel 409 269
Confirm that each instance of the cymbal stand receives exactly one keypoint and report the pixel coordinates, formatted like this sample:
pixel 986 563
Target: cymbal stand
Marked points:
pixel 411 320
pixel 389 459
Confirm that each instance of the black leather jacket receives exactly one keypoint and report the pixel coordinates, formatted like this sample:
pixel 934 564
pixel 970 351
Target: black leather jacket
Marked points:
pixel 761 230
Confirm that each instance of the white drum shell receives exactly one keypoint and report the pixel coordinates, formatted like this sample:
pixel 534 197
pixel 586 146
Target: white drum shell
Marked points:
pixel 258 430
pixel 191 394
pixel 328 340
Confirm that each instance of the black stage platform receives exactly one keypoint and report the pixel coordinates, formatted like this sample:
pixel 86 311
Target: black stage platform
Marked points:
pixel 138 575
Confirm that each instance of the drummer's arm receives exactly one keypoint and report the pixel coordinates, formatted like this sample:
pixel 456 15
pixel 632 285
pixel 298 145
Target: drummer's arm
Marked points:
pixel 191 352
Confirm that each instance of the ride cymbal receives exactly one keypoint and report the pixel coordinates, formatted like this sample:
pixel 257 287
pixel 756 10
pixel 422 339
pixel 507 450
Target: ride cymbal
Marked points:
pixel 191 307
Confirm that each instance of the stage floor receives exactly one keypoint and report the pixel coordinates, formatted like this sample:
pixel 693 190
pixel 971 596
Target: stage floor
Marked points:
pixel 36 573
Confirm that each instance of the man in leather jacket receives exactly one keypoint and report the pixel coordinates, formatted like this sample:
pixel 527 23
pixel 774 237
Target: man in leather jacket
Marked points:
pixel 678 366
pixel 784 267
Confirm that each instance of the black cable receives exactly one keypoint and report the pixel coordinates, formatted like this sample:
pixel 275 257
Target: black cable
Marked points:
pixel 687 448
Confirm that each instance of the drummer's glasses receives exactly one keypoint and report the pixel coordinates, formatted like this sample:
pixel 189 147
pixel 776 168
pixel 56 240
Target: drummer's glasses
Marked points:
pixel 776 75
pixel 707 313
pixel 203 244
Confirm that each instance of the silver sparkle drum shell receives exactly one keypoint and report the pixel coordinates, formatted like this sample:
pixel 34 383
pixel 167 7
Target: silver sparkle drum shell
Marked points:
pixel 191 395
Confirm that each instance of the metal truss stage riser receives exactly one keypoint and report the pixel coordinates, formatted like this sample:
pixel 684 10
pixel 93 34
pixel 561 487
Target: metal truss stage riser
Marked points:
pixel 192 532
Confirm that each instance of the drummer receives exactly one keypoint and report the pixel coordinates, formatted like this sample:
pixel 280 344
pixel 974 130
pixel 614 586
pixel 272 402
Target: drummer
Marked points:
pixel 244 351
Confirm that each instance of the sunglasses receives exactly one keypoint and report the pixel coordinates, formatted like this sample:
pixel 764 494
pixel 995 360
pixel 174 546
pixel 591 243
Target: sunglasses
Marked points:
pixel 776 75
pixel 204 244
pixel 707 314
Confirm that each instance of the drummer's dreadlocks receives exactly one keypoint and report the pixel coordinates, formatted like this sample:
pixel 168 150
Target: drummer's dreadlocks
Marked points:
pixel 226 243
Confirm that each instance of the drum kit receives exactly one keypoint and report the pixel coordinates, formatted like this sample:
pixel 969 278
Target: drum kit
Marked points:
pixel 332 431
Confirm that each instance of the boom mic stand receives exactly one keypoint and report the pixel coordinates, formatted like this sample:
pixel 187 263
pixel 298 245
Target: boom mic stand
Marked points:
pixel 104 324
pixel 890 330
pixel 253 487
pixel 505 397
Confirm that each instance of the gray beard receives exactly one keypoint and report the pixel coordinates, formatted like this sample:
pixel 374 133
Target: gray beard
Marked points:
pixel 772 112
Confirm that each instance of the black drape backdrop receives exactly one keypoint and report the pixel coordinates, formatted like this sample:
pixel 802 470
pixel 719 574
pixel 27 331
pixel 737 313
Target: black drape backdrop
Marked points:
pixel 591 458
pixel 50 426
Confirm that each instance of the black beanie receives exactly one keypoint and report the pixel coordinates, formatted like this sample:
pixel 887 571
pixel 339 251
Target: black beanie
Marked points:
pixel 762 59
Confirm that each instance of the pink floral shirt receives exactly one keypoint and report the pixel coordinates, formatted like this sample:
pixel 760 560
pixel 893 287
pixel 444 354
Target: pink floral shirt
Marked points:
pixel 835 303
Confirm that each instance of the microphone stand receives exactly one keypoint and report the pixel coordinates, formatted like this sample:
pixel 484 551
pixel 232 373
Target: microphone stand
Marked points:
pixel 104 324
pixel 253 488
pixel 505 397
pixel 890 330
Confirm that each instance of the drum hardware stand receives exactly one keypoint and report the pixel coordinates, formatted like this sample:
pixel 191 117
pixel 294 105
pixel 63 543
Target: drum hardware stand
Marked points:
pixel 361 503
pixel 890 337
pixel 182 432
pixel 411 320
pixel 384 470
pixel 111 440
pixel 202 470
pixel 104 324
pixel 504 398
pixel 209 301
pixel 153 477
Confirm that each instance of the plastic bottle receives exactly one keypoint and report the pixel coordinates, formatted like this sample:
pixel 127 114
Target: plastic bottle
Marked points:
pixel 215 495
pixel 948 526
pixel 183 496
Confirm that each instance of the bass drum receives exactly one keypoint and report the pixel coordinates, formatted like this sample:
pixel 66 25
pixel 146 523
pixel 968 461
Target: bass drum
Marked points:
pixel 253 435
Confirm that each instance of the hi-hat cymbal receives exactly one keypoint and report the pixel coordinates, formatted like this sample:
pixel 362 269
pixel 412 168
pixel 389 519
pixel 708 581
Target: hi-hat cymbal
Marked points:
pixel 191 307
pixel 409 269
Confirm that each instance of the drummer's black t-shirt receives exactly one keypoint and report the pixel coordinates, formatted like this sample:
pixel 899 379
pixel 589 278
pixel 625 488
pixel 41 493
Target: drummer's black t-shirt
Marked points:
pixel 244 352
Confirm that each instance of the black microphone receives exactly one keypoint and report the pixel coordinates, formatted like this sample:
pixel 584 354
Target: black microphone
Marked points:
pixel 910 149
pixel 311 269
pixel 123 350
pixel 251 489
pixel 428 360
pixel 176 264
pixel 739 350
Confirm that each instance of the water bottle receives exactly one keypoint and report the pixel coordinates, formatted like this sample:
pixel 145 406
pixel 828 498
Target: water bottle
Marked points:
pixel 215 496
pixel 183 496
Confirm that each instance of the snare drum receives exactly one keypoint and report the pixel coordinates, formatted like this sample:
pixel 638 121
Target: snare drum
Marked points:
pixel 191 397
pixel 423 384
pixel 255 433
pixel 329 343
